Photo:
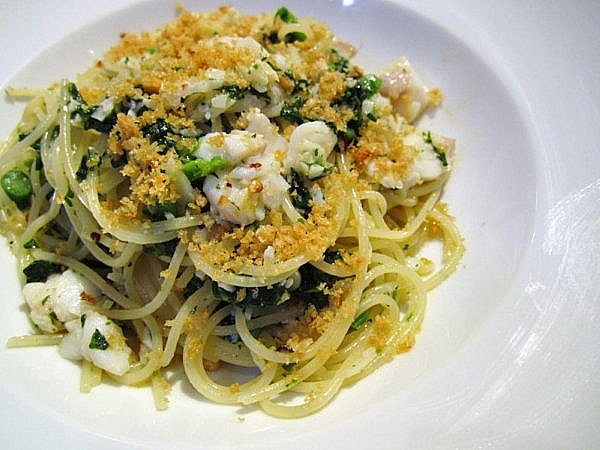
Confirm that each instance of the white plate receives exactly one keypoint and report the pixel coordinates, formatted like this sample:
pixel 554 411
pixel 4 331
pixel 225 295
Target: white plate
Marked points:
pixel 508 353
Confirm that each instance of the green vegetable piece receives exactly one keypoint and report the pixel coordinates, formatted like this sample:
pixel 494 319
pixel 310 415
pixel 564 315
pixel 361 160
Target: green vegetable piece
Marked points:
pixel 295 36
pixel 291 111
pixel 326 167
pixel 258 296
pixel 17 186
pixel 74 93
pixel 288 366
pixel 292 382
pixel 39 271
pixel 370 85
pixel 89 162
pixel 159 132
pixel 337 62
pixel 314 285
pixel 285 15
pixel 200 168
pixel 54 318
pixel 354 96
pixel 299 193
pixel 233 91
pixel 300 86
pixel 98 341
pixel 84 112
pixel 103 126
pixel 30 244
pixel 360 320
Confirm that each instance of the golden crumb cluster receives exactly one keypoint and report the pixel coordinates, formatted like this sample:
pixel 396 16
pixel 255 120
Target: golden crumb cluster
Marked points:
pixel 311 237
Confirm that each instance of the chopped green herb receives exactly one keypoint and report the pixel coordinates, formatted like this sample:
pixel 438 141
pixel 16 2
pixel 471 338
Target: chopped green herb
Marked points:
pixel 291 383
pixel 259 296
pixel 39 271
pixel 17 186
pixel 441 154
pixel 45 300
pixel 314 285
pixel 84 113
pixel 82 319
pixel 74 93
pixel 233 91
pixel 103 126
pixel 159 132
pixel 98 341
pixel 337 62
pixel 373 115
pixel 263 95
pixel 300 86
pixel 54 318
pixel 291 110
pixel 323 168
pixel 370 85
pixel 364 88
pixel 354 96
pixel 89 162
pixel 299 193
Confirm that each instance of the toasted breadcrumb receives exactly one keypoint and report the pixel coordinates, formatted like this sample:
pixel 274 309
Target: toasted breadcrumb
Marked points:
pixel 382 326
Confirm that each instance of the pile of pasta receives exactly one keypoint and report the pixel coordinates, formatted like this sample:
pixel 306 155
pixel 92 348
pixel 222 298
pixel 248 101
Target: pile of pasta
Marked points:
pixel 230 195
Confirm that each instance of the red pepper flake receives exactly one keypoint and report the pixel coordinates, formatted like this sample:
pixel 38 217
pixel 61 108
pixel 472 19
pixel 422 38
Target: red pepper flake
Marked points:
pixel 87 298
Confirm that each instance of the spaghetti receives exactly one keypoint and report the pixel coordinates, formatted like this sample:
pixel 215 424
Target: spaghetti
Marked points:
pixel 230 193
